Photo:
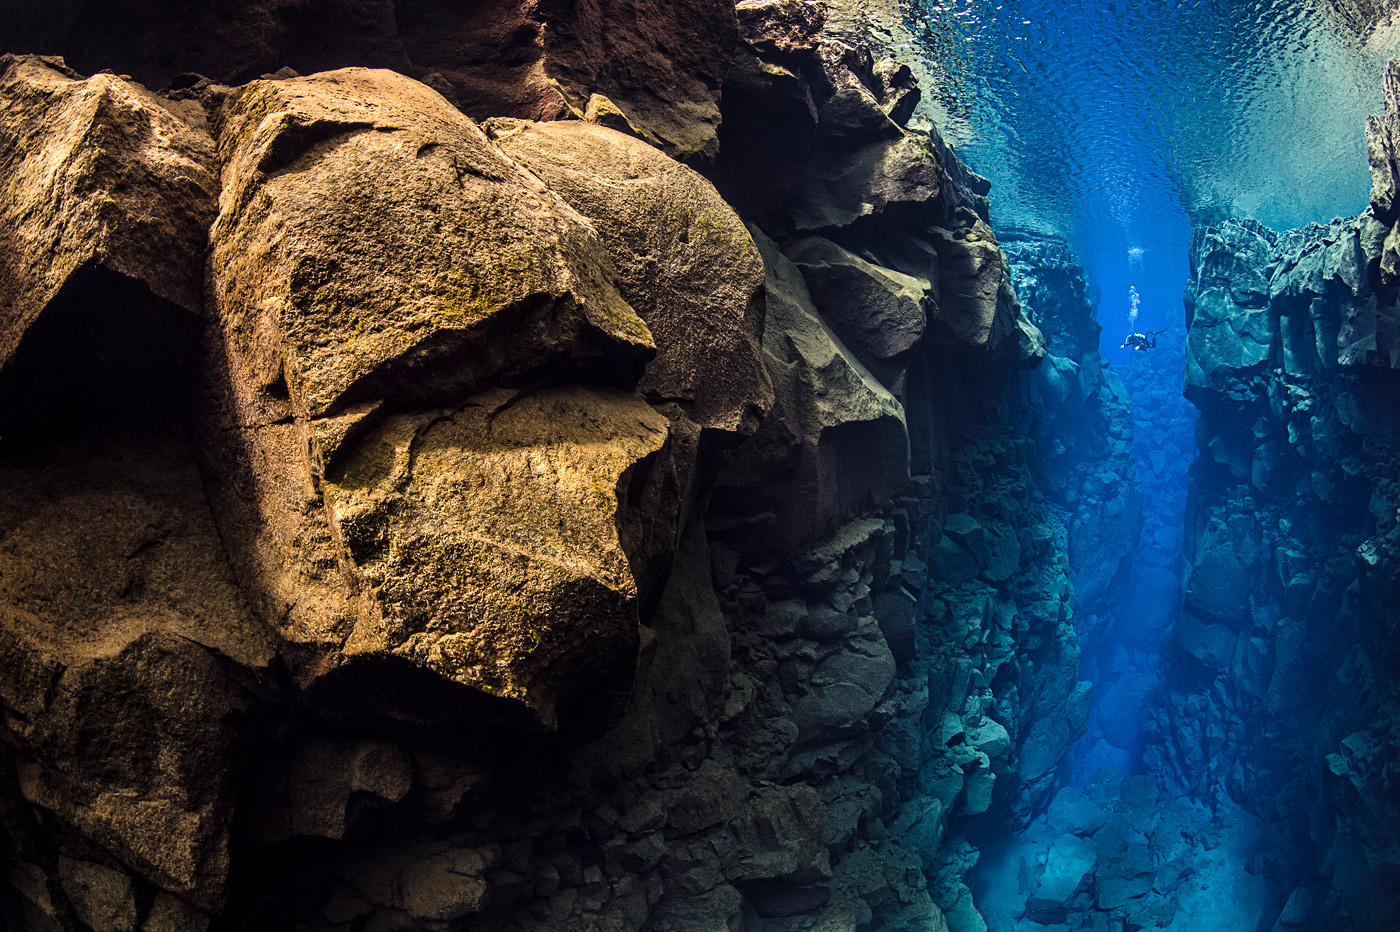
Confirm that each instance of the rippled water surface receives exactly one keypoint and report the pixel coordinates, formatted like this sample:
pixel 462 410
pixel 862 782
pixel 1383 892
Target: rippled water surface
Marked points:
pixel 1116 124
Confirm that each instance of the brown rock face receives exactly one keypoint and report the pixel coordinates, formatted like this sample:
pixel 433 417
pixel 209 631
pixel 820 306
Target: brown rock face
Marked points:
pixel 666 231
pixel 363 563
pixel 367 229
pixel 124 641
pixel 491 538
pixel 99 173
pixel 127 648
pixel 375 262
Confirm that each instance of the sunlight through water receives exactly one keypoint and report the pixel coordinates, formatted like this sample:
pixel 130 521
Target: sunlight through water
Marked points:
pixel 1117 125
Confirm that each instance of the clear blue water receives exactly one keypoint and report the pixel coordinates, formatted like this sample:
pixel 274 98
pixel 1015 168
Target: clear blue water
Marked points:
pixel 1117 124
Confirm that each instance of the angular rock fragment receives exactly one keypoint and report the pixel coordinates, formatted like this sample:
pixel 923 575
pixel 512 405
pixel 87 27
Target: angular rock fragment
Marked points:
pixel 1070 861
pixel 877 312
pixel 785 26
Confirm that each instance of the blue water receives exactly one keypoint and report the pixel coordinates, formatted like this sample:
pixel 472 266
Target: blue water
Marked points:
pixel 1117 124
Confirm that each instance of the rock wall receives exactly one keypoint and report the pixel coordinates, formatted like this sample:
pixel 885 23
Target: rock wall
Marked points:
pixel 1083 425
pixel 1281 693
pixel 417 522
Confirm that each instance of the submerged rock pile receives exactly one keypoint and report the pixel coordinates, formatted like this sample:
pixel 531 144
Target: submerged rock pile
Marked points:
pixel 1114 854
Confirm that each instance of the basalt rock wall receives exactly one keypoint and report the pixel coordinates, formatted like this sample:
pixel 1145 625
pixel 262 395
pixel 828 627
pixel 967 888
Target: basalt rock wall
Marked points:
pixel 412 521
pixel 1281 692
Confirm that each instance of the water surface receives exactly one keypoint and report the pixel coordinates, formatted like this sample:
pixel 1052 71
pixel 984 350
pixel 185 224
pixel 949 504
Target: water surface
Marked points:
pixel 1118 124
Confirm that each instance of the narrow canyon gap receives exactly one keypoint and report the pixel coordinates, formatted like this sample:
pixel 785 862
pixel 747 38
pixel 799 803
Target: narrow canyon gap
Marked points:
pixel 647 466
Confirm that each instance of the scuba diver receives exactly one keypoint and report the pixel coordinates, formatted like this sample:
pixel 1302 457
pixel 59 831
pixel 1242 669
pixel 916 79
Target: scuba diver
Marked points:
pixel 1142 341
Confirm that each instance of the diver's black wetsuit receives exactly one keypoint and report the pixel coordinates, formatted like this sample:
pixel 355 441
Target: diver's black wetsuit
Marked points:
pixel 1142 341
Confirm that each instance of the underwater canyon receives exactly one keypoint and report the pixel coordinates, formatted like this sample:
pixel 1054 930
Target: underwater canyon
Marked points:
pixel 669 467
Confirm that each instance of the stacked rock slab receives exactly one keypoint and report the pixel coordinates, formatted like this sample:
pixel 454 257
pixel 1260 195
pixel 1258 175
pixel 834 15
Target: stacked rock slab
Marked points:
pixel 1281 695
pixel 487 526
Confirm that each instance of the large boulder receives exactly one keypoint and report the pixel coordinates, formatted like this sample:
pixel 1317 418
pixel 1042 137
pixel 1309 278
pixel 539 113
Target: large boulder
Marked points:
pixel 1069 862
pixel 685 262
pixel 877 312
pixel 972 270
pixel 841 185
pixel 498 541
pixel 376 263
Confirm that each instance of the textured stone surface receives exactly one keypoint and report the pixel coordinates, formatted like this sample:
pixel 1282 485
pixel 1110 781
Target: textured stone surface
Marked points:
pixel 99 174
pixel 524 608
pixel 1291 554
pixel 830 413
pixel 667 232
pixel 357 320
pixel 496 542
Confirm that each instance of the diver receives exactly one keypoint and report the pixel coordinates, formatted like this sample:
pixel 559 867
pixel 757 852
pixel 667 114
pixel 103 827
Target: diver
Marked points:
pixel 1142 341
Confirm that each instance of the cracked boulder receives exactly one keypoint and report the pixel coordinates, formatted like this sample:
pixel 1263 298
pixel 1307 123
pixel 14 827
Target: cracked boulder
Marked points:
pixel 496 539
pixel 378 264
